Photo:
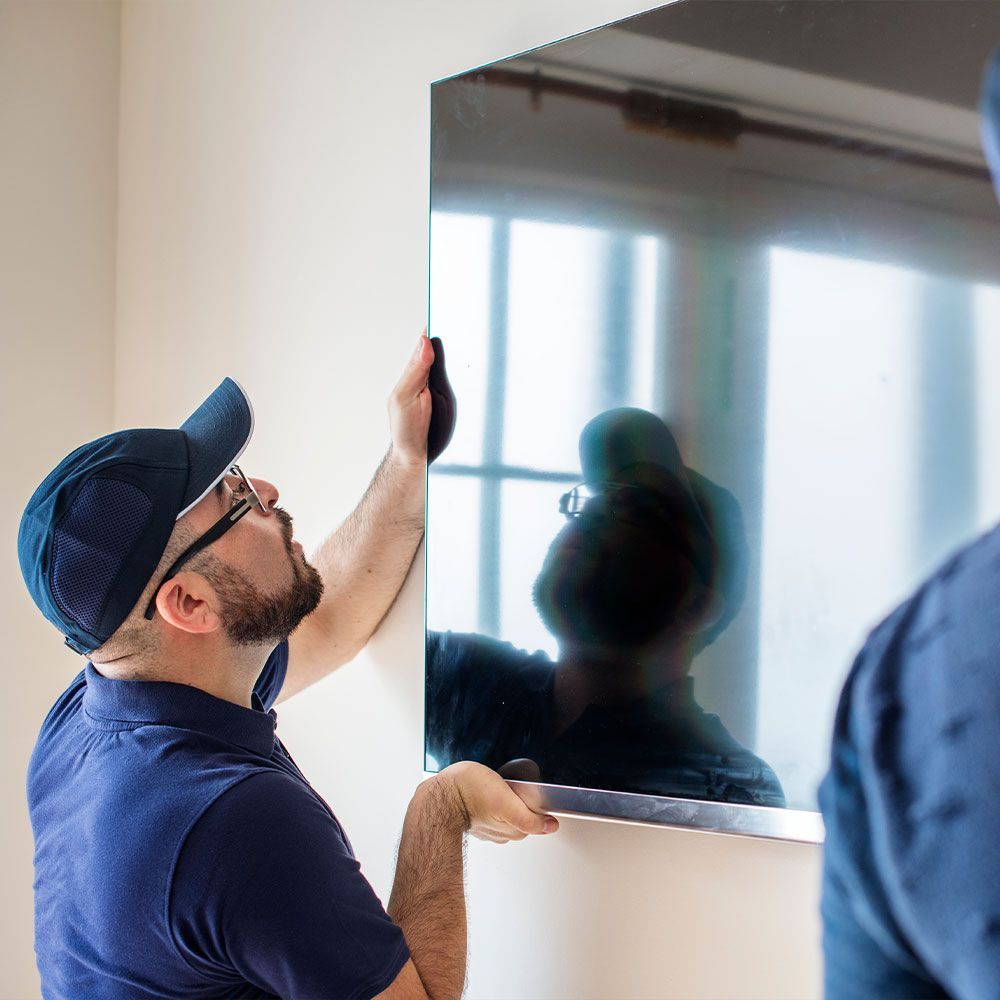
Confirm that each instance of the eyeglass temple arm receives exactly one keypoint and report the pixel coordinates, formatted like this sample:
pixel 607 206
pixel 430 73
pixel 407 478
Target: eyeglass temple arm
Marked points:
pixel 216 531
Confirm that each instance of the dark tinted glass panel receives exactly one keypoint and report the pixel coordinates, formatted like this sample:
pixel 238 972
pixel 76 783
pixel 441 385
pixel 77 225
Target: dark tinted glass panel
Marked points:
pixel 720 291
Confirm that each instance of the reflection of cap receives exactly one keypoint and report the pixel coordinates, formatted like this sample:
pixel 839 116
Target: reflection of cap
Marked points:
pixel 629 445
pixel 94 531
pixel 731 554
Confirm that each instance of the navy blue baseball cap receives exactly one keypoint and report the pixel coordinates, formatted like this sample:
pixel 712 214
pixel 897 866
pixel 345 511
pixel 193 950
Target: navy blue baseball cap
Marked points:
pixel 94 531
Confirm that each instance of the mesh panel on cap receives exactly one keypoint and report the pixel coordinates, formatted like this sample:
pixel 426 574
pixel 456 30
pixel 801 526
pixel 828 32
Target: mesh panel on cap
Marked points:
pixel 91 543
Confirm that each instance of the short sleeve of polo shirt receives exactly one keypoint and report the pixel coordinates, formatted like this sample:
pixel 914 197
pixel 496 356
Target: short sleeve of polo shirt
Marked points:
pixel 268 893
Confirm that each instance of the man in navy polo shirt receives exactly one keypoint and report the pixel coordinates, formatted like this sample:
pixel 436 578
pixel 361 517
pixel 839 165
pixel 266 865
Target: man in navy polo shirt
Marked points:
pixel 179 851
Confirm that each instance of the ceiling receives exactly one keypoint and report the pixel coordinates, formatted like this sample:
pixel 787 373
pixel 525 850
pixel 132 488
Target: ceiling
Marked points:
pixel 933 49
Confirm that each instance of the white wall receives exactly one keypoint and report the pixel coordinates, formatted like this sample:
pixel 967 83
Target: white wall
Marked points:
pixel 58 136
pixel 272 204
pixel 273 225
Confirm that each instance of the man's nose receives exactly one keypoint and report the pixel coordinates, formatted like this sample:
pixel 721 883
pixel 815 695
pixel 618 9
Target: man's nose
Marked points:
pixel 268 494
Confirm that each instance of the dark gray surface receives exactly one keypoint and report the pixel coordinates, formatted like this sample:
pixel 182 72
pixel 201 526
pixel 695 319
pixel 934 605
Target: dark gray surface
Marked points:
pixel 883 43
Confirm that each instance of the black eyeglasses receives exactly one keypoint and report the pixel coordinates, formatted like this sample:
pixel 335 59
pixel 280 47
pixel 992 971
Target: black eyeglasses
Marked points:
pixel 248 499
pixel 636 505
pixel 626 501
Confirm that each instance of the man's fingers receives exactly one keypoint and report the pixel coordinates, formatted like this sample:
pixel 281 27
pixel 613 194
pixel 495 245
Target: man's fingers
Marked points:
pixel 510 833
pixel 524 819
pixel 490 836
pixel 414 377
pixel 541 823
pixel 493 808
pixel 413 382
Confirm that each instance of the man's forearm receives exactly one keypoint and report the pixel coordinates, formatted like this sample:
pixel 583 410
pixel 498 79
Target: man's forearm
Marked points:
pixel 428 893
pixel 364 562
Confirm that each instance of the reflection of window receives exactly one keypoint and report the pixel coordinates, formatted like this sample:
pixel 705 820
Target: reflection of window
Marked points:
pixel 874 467
pixel 986 317
pixel 526 309
pixel 460 311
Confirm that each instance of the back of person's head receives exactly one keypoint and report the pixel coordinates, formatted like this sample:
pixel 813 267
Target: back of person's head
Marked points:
pixel 640 557
pixel 109 518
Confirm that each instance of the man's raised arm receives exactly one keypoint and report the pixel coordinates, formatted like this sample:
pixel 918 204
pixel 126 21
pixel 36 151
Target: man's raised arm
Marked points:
pixel 365 560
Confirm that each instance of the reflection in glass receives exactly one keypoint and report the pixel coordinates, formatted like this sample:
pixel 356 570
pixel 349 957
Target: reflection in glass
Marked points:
pixel 759 225
pixel 647 570
pixel 840 465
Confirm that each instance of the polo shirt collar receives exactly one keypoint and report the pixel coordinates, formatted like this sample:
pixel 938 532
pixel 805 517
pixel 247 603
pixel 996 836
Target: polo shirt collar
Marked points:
pixel 115 705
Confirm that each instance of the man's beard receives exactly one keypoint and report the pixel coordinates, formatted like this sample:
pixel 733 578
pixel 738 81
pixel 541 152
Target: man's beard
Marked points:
pixel 250 618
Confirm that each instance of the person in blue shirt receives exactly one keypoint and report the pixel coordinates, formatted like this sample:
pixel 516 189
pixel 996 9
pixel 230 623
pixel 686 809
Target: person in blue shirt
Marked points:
pixel 179 851
pixel 911 869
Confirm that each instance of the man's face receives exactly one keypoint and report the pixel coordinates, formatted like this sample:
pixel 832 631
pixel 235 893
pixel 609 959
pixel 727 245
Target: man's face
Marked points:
pixel 613 580
pixel 261 578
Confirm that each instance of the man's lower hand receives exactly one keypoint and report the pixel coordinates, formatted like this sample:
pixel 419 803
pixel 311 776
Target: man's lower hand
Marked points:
pixel 486 806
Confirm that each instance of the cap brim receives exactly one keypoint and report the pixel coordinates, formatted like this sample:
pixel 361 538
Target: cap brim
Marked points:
pixel 217 433
pixel 631 445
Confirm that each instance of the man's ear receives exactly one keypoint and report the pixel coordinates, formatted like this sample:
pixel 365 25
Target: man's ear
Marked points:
pixel 187 602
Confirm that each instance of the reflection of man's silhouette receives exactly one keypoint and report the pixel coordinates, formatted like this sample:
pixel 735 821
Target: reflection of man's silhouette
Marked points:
pixel 649 568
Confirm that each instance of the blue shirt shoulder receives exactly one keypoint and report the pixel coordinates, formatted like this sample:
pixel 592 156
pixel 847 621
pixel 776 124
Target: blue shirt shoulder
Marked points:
pixel 911 885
